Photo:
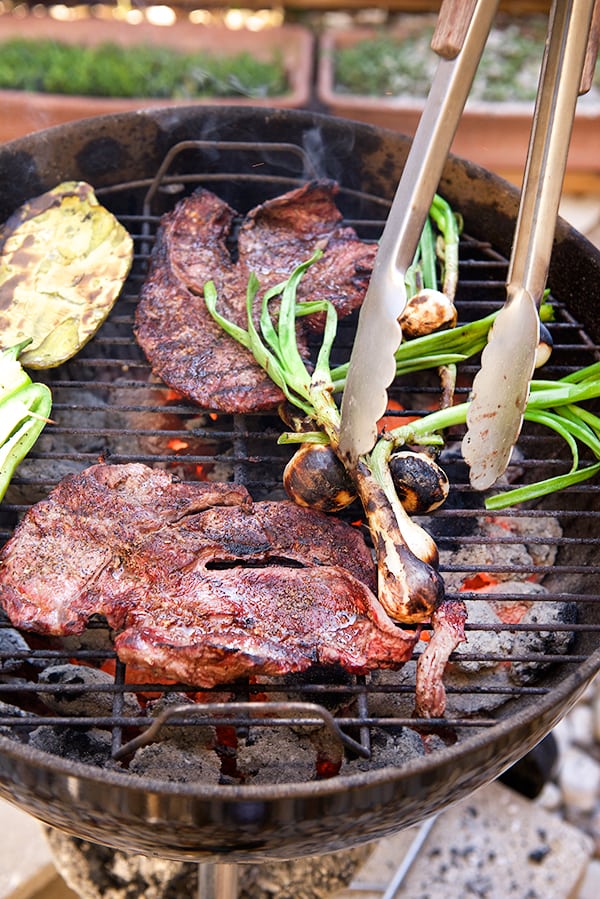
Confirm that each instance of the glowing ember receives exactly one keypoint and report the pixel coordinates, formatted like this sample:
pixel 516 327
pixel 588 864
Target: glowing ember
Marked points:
pixel 176 445
pixel 173 396
pixel 480 581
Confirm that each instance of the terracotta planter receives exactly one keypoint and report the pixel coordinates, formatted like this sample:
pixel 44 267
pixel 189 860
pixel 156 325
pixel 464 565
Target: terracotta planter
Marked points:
pixel 494 135
pixel 22 112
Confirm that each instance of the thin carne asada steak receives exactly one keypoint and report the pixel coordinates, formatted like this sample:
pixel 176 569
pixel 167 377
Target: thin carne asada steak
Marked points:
pixel 201 584
pixel 183 344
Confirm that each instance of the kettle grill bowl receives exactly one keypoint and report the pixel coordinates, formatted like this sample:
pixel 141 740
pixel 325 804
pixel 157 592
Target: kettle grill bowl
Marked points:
pixel 253 823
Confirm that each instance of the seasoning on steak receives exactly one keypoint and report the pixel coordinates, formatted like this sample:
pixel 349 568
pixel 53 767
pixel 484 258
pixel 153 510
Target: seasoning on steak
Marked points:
pixel 183 344
pixel 200 584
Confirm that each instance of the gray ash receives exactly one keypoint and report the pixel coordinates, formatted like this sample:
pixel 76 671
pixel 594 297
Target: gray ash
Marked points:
pixel 14 713
pixel 92 746
pixel 184 736
pixel 80 690
pixel 12 643
pixel 542 642
pixel 397 746
pixel 168 761
pixel 275 755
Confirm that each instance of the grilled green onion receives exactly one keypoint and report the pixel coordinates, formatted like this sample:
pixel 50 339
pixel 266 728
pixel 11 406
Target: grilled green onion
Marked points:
pixel 24 411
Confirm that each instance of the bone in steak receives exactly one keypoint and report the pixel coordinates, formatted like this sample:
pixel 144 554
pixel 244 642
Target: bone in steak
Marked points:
pixel 185 347
pixel 201 584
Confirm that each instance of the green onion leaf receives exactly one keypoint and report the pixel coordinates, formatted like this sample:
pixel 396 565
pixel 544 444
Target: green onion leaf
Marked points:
pixel 542 488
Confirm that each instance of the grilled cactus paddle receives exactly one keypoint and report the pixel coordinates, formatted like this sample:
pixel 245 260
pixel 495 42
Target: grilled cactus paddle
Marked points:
pixel 63 261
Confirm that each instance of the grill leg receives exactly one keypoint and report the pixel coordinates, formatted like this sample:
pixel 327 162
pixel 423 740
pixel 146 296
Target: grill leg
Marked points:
pixel 217 881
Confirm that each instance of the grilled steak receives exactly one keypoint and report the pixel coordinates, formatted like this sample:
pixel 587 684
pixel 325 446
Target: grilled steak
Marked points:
pixel 201 584
pixel 185 347
pixel 276 620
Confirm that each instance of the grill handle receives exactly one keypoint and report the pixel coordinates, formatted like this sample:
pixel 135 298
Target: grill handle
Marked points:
pixel 220 713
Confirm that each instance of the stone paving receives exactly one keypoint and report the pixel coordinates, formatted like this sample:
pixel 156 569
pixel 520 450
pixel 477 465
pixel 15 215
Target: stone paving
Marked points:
pixel 573 794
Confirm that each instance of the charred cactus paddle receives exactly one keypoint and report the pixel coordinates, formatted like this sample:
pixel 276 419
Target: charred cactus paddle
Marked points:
pixel 57 291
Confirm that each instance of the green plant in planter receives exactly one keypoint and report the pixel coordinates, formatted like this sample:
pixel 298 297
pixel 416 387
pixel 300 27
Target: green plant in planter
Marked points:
pixel 109 70
pixel 391 66
pixel 384 65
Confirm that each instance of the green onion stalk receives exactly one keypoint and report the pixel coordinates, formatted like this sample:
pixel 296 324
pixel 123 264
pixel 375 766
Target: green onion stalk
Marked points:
pixel 554 404
pixel 24 411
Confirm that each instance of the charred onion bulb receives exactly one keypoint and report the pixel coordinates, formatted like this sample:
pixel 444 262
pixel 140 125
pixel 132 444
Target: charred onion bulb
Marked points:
pixel 544 347
pixel 408 585
pixel 427 311
pixel 420 483
pixel 314 477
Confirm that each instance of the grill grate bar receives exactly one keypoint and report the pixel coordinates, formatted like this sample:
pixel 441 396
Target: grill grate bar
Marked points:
pixel 464 656
pixel 541 570
pixel 103 721
pixel 360 692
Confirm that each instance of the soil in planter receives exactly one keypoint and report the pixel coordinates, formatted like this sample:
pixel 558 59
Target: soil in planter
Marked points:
pixel 109 70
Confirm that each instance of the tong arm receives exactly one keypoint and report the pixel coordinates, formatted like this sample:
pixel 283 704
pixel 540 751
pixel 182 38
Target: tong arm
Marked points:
pixel 501 386
pixel 459 40
pixel 560 83
pixel 372 363
pixel 591 53
pixel 451 27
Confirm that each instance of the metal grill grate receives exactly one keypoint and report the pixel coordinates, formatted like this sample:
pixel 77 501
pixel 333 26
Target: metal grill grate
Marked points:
pixel 107 404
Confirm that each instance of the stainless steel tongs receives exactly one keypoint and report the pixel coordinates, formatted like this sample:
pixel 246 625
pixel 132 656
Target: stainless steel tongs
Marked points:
pixel 501 387
pixel 460 36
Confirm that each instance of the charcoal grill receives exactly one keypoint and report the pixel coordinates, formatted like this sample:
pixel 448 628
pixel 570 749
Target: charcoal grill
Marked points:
pixel 107 404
